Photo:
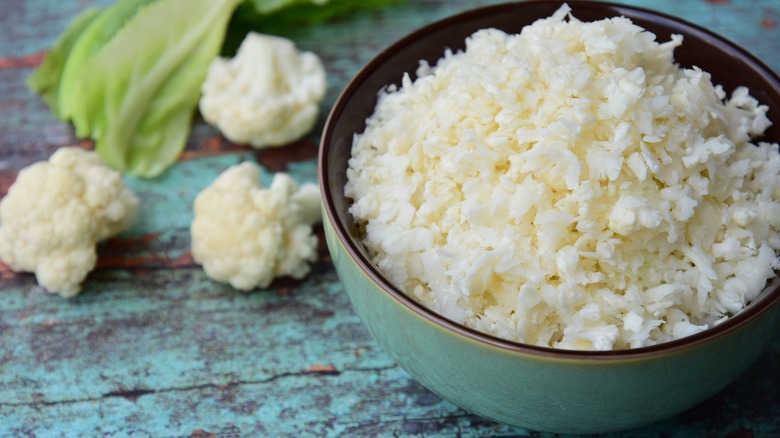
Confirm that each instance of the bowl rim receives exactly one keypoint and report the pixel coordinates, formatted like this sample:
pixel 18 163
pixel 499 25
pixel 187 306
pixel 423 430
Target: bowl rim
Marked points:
pixel 766 300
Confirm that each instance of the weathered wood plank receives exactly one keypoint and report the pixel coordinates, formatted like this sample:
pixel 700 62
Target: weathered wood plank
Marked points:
pixel 154 348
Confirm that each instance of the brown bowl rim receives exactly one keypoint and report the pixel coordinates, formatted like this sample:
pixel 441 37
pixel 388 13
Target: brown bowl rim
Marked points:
pixel 767 299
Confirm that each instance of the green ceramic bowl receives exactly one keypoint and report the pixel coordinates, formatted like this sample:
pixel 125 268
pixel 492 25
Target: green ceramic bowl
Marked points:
pixel 539 388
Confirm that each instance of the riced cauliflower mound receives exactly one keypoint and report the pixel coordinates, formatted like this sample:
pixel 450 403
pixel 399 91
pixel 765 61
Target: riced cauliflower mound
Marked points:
pixel 569 187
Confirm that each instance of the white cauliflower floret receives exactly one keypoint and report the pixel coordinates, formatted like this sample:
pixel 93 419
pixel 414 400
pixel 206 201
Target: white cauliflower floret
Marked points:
pixel 267 95
pixel 56 212
pixel 247 235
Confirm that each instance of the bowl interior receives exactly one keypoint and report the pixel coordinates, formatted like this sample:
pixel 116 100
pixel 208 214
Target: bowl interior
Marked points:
pixel 729 65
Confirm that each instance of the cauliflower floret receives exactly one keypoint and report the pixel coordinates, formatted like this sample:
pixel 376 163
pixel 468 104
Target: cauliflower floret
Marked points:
pixel 56 212
pixel 247 235
pixel 267 95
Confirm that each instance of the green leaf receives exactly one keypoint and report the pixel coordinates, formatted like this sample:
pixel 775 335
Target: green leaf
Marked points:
pixel 45 79
pixel 303 11
pixel 281 17
pixel 268 6
pixel 95 36
pixel 139 92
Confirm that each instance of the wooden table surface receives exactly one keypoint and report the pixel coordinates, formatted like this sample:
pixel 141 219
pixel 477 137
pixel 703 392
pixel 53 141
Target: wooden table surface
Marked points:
pixel 152 347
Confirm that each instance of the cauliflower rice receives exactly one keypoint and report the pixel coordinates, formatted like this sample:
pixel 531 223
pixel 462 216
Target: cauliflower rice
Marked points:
pixel 569 186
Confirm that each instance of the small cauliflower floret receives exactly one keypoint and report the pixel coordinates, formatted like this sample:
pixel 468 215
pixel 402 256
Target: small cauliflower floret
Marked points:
pixel 267 95
pixel 247 235
pixel 56 212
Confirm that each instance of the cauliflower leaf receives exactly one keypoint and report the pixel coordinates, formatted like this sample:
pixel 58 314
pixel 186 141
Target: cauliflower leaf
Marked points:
pixel 129 77
pixel 143 86
pixel 100 30
pixel 45 80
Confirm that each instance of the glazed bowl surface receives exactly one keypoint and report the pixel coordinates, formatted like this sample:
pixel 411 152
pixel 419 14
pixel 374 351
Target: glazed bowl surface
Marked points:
pixel 534 387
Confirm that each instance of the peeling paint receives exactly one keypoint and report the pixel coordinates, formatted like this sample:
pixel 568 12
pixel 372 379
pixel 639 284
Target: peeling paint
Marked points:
pixel 26 61
pixel 325 369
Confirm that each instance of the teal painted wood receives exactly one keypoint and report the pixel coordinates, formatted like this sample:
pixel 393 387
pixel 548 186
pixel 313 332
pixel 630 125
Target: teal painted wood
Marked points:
pixel 152 347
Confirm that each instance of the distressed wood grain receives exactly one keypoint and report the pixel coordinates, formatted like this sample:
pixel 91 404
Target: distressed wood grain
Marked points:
pixel 154 348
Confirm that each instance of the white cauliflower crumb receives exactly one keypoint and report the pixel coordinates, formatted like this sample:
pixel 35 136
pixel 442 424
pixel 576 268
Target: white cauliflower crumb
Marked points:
pixel 57 211
pixel 571 187
pixel 267 95
pixel 247 235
